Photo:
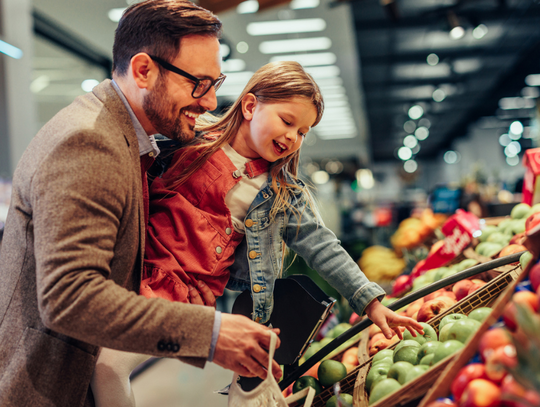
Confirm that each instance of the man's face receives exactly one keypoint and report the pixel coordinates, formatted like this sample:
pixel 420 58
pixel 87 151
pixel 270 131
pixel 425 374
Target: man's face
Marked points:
pixel 169 106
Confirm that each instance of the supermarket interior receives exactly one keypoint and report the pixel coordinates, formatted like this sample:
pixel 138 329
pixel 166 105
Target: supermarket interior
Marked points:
pixel 424 165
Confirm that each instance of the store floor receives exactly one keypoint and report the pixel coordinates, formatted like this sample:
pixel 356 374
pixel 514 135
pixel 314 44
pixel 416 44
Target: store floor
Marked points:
pixel 171 383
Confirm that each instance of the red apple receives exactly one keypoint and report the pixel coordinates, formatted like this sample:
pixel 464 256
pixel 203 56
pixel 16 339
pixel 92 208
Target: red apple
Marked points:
pixel 518 239
pixel 534 276
pixel 373 329
pixel 493 339
pixel 354 318
pixel 532 221
pixel 442 403
pixel 527 298
pixel 511 392
pixel 433 308
pixel 439 293
pixel 402 284
pixel 461 289
pixel 476 285
pixel 511 249
pixel 382 343
pixel 464 376
pixel 499 361
pixel 481 393
pixel 414 307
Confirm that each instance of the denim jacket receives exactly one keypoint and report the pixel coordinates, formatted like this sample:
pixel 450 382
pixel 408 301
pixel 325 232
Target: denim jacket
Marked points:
pixel 259 258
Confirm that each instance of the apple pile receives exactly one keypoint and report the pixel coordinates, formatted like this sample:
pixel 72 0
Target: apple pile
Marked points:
pixel 505 372
pixel 413 356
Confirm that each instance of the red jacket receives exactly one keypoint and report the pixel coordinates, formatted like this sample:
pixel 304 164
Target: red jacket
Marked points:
pixel 190 232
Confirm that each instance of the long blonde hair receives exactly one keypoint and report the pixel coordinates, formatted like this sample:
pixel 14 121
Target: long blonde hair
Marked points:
pixel 274 82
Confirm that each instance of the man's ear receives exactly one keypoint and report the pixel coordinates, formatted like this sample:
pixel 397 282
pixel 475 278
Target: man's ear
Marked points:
pixel 143 70
pixel 249 102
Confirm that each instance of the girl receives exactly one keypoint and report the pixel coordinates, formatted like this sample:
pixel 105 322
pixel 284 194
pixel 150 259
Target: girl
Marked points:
pixel 224 211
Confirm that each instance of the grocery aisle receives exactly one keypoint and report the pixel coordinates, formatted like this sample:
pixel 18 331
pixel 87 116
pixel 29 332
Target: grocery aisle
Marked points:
pixel 171 383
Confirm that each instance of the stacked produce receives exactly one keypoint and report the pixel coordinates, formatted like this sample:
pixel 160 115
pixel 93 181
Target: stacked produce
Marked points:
pixel 505 372
pixel 413 231
pixel 380 263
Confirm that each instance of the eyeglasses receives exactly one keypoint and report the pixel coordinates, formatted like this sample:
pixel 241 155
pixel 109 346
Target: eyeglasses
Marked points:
pixel 202 86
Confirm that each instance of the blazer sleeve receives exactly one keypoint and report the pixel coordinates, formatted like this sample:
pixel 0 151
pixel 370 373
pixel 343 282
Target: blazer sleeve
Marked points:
pixel 79 195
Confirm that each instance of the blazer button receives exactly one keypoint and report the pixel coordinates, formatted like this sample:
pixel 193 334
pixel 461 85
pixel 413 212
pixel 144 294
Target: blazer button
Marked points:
pixel 249 223
pixel 176 347
pixel 228 231
pixel 219 250
pixel 237 174
pixel 169 346
pixel 253 254
pixel 161 346
pixel 257 288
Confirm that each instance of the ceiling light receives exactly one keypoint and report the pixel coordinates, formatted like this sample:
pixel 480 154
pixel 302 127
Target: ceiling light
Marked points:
pixel 10 50
pixel 480 31
pixel 424 122
pixel 410 141
pixel 456 30
pixel 421 133
pixel 404 153
pixel 364 178
pixel 115 14
pixel 504 139
pixel 89 84
pixel 432 59
pixel 516 103
pixel 320 177
pixel 516 127
pixel 286 26
pixel 295 45
pixel 248 7
pixel 410 166
pixel 242 47
pixel 337 135
pixel 333 167
pixel 40 83
pixel 335 103
pixel 416 112
pixel 299 4
pixel 409 126
pixel 530 92
pixel 533 80
pixel 512 161
pixel 416 149
pixel 438 95
pixel 451 157
pixel 238 77
pixel 329 71
pixel 315 59
pixel 233 65
pixel 224 50
pixel 512 149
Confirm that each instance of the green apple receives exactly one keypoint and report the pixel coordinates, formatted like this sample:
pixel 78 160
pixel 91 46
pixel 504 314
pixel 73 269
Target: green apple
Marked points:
pixel 450 318
pixel 535 208
pixel 427 360
pixel 448 273
pixel 415 372
pixel 421 281
pixel 520 211
pixel 525 258
pixel 333 401
pixel 429 334
pixel 382 389
pixel 405 342
pixel 338 330
pixel 407 354
pixel 325 341
pixel 428 348
pixel 486 231
pixel 463 329
pixel 389 360
pixel 480 314
pixel 306 381
pixel 446 349
pixel 384 353
pixel 467 263
pixel 440 271
pixel 373 374
pixel 444 332
pixel 399 370
pixel 377 380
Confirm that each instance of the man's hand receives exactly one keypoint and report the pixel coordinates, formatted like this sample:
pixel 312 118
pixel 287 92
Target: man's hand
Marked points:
pixel 242 347
pixel 389 321
pixel 201 295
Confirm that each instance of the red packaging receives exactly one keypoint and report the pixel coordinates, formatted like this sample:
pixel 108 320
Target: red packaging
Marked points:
pixel 531 162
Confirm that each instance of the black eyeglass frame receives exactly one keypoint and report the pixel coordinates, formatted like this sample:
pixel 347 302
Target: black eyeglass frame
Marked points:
pixel 216 83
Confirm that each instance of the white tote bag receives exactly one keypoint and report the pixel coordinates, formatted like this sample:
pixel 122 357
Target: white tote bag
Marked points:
pixel 268 393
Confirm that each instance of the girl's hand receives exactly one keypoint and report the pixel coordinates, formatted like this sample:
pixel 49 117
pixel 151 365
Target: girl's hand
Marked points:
pixel 389 321
pixel 202 295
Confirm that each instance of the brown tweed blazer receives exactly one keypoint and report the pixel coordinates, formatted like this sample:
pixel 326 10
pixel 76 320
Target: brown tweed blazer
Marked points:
pixel 70 262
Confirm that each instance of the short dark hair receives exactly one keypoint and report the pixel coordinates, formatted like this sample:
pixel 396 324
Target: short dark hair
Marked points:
pixel 156 27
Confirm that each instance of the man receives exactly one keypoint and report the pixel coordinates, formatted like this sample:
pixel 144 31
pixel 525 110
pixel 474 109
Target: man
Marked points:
pixel 71 258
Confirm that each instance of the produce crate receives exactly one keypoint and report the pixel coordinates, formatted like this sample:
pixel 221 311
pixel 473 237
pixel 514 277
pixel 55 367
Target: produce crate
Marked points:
pixel 416 389
pixel 441 387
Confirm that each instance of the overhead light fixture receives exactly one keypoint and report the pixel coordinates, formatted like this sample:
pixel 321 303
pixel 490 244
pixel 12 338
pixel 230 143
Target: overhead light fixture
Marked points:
pixel 365 179
pixel 410 141
pixel 530 92
pixel 10 50
pixel 432 59
pixel 456 30
pixel 438 95
pixel 512 161
pixel 40 83
pixel 320 177
pixel 329 71
pixel 504 139
pixel 115 14
pixel 516 103
pixel 404 153
pixel 516 128
pixel 89 84
pixel 410 166
pixel 248 7
pixel 233 65
pixel 416 112
pixel 314 59
pixel 480 31
pixel 451 157
pixel 422 133
pixel 337 135
pixel 300 4
pixel 533 80
pixel 295 45
pixel 242 47
pixel 305 25
pixel 424 122
pixel 409 126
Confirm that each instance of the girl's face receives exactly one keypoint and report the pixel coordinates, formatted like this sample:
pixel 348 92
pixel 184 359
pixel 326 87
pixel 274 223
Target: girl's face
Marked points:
pixel 273 130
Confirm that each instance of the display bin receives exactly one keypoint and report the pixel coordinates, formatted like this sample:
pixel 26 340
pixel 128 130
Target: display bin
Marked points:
pixel 416 389
pixel 441 387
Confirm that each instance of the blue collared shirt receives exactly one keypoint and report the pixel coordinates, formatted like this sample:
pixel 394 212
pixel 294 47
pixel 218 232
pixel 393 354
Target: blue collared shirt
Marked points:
pixel 147 145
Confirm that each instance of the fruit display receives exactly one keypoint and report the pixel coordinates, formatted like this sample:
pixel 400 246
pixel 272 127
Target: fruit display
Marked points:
pixel 413 231
pixel 380 263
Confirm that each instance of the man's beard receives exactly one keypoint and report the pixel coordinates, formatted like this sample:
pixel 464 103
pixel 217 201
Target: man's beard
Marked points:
pixel 159 109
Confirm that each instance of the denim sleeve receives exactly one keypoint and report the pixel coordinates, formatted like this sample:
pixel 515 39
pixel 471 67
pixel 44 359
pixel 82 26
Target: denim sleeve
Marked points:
pixel 322 251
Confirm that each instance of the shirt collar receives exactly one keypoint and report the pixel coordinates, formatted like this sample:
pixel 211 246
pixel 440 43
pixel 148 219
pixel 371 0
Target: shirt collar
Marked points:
pixel 147 144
